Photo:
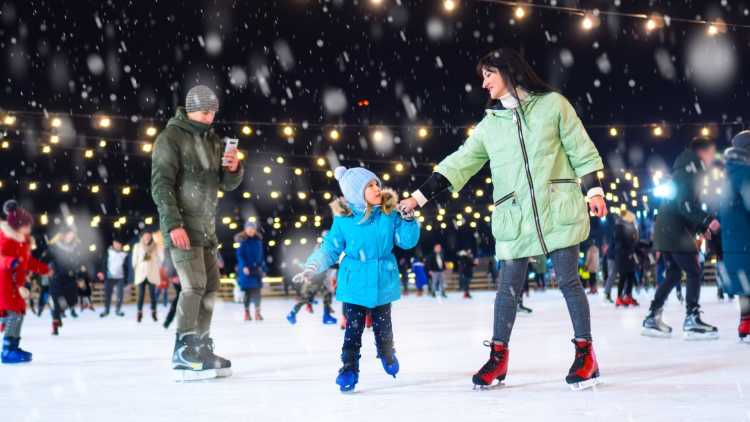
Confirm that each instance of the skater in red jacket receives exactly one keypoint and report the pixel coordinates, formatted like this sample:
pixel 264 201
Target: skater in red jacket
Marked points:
pixel 15 262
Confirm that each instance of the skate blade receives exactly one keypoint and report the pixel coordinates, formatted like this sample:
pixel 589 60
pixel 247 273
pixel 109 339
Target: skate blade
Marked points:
pixel 745 340
pixel 700 336
pixel 584 385
pixel 187 375
pixel 490 387
pixel 650 332
pixel 223 373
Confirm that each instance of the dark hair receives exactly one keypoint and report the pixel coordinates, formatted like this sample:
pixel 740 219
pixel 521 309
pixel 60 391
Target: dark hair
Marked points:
pixel 700 143
pixel 514 70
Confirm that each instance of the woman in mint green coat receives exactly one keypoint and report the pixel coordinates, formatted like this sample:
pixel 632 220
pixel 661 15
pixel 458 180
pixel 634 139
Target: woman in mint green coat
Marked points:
pixel 538 150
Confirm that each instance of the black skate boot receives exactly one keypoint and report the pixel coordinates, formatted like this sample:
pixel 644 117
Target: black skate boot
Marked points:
pixel 187 362
pixel 695 329
pixel 223 367
pixel 522 309
pixel 653 326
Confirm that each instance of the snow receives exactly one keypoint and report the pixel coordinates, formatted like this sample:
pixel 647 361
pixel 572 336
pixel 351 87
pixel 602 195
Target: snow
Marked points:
pixel 117 370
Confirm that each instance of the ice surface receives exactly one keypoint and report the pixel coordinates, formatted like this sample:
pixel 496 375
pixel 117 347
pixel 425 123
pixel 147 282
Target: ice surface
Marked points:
pixel 116 370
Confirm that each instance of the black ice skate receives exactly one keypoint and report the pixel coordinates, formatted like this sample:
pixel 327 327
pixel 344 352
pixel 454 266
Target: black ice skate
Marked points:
pixel 653 326
pixel 223 367
pixel 695 329
pixel 187 361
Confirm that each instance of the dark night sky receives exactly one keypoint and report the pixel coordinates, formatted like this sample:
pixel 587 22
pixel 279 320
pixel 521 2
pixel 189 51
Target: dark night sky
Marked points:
pixel 282 60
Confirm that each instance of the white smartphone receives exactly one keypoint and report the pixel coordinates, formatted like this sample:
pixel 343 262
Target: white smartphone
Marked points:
pixel 229 144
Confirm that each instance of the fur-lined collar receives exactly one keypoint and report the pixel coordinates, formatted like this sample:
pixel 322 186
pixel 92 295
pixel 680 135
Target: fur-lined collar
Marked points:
pixel 341 207
pixel 739 155
pixel 12 234
pixel 241 236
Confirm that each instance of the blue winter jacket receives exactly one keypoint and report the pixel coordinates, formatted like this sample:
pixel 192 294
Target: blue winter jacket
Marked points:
pixel 368 275
pixel 735 223
pixel 250 255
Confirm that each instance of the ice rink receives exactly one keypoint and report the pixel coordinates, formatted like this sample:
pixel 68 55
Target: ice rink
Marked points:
pixel 117 370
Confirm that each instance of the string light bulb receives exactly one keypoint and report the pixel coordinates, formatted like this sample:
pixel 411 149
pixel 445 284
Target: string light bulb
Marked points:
pixel 422 132
pixel 88 154
pixel 705 131
pixel 9 120
pixel 105 122
pixel 712 30
pixel 147 147
pixel 151 131
pixel 613 132
pixel 288 131
pixel 520 12
pixel 54 139
pixel 334 134
pixel 658 131
pixel 449 5
pixel 587 23
pixel 247 130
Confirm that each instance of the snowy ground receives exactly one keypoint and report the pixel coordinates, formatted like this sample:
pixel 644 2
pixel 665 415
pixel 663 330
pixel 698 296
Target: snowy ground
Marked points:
pixel 117 370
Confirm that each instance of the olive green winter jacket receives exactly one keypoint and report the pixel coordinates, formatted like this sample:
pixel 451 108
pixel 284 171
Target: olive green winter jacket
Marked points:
pixel 535 158
pixel 186 174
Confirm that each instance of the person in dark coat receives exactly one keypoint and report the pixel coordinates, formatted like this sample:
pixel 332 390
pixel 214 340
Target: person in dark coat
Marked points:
pixel 67 268
pixel 435 264
pixel 735 219
pixel 626 239
pixel 251 267
pixel 465 271
pixel 681 218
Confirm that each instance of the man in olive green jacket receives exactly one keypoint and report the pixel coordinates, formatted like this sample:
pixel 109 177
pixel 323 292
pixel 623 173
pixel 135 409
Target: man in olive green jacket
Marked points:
pixel 189 167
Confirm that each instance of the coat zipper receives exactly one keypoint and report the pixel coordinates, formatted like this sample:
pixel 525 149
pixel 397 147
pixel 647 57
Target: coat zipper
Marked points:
pixel 538 225
pixel 563 181
pixel 504 198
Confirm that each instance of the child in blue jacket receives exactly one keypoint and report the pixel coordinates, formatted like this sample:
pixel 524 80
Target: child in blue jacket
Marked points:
pixel 365 229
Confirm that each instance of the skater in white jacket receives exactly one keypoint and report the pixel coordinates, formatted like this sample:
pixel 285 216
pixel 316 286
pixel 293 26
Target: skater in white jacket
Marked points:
pixel 147 259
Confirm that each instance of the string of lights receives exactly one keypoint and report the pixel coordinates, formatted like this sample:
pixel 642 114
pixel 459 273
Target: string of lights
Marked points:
pixel 590 18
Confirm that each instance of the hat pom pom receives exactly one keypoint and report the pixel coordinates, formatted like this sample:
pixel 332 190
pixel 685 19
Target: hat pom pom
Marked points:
pixel 10 206
pixel 339 172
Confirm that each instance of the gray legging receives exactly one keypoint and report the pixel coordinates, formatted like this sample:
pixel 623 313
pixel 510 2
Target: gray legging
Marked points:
pixel 13 322
pixel 438 282
pixel 510 288
pixel 612 273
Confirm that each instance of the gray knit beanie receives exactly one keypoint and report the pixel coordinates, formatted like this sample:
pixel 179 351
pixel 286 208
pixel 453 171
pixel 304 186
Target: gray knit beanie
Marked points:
pixel 201 98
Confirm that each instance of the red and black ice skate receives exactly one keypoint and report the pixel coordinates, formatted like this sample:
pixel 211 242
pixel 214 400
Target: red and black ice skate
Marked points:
pixel 585 371
pixel 744 329
pixel 496 367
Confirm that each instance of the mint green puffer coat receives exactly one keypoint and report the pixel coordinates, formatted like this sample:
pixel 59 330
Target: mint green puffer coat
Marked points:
pixel 535 158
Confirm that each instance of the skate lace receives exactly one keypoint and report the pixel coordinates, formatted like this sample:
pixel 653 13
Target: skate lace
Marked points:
pixel 495 358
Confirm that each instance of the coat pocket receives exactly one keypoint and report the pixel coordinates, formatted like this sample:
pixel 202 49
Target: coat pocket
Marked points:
pixel 567 203
pixel 506 218
pixel 181 255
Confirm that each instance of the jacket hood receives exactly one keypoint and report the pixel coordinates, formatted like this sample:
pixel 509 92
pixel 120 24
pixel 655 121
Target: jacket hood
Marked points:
pixel 739 156
pixel 242 236
pixel 342 208
pixel 182 121
pixel 10 233
pixel 688 161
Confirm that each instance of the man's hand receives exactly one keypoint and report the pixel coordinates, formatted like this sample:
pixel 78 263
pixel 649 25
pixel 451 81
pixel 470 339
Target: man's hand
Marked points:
pixel 407 205
pixel 24 292
pixel 597 206
pixel 714 226
pixel 180 238
pixel 246 271
pixel 100 276
pixel 231 160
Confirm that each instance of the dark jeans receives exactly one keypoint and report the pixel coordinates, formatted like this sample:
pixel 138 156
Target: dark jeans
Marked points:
pixel 252 295
pixel 173 306
pixel 464 281
pixel 43 299
pixel 110 284
pixel 355 326
pixel 676 263
pixel 625 284
pixel 513 279
pixel 142 292
pixel 162 295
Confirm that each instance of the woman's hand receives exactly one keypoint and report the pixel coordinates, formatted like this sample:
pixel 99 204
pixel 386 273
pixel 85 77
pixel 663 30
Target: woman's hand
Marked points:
pixel 597 206
pixel 407 205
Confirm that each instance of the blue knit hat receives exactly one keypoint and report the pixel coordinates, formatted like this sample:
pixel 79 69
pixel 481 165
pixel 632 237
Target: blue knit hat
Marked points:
pixel 353 182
